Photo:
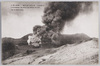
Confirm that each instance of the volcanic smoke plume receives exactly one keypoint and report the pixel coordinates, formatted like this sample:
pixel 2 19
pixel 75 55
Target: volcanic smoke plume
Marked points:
pixel 56 14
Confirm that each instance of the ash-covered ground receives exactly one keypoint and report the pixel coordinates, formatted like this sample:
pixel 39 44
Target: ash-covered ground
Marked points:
pixel 82 53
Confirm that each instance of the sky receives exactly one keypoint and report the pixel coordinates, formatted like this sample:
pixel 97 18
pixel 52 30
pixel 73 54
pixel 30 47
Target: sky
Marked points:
pixel 16 24
pixel 19 23
pixel 85 23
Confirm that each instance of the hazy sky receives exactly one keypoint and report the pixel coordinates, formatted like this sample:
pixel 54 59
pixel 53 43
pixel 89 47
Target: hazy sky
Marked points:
pixel 19 23
pixel 85 23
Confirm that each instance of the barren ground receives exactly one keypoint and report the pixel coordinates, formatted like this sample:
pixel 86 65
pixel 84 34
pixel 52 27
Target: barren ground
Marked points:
pixel 83 53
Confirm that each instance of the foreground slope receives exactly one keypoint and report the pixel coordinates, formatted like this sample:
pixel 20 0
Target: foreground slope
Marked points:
pixel 83 53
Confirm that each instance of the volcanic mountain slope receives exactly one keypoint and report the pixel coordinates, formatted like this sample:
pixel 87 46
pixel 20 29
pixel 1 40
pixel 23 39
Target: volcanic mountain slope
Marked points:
pixel 83 53
pixel 18 41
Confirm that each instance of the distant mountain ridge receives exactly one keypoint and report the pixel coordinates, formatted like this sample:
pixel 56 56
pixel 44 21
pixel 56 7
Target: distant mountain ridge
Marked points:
pixel 23 40
pixel 20 41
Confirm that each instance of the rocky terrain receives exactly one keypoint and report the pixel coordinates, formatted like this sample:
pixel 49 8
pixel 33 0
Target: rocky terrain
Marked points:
pixel 83 53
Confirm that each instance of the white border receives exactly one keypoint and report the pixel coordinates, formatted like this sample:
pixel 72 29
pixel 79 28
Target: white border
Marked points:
pixel 49 0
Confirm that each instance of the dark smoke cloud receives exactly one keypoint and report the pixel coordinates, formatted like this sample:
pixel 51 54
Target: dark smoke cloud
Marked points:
pixel 56 14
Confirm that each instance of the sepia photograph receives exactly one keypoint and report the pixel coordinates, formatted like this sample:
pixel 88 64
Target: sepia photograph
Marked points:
pixel 50 32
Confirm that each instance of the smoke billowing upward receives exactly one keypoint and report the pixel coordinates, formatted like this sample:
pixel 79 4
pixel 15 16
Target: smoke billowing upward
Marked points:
pixel 56 14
